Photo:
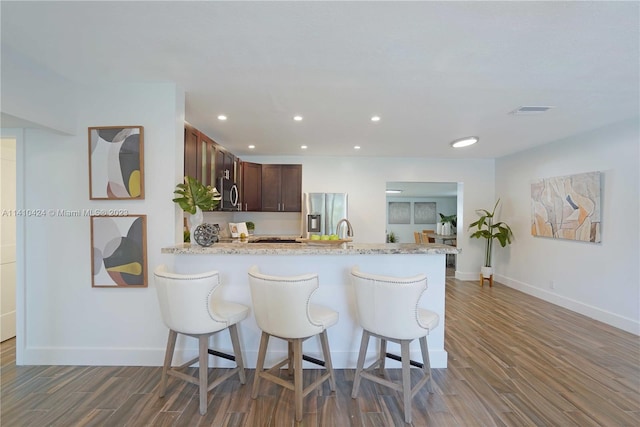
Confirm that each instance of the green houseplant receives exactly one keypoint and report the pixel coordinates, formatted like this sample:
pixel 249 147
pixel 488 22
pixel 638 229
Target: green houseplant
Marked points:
pixel 486 228
pixel 193 194
pixel 452 219
pixel 250 227
pixel 193 198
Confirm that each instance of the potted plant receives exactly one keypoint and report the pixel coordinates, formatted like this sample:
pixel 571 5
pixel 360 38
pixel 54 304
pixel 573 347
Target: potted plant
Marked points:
pixel 391 237
pixel 489 230
pixel 250 227
pixel 448 219
pixel 195 197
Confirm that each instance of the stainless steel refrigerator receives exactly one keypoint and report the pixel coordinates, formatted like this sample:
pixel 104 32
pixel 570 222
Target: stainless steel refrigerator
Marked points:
pixel 321 212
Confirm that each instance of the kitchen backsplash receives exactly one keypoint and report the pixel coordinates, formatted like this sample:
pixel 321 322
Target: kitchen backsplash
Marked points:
pixel 267 223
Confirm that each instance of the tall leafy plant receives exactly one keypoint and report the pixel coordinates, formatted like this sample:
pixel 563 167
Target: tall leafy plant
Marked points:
pixel 487 229
pixel 192 193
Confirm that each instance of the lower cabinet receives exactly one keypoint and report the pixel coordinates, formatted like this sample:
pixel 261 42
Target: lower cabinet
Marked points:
pixel 281 188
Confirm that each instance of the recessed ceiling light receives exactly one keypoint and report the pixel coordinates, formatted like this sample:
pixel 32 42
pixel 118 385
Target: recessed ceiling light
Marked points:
pixel 393 191
pixel 251 147
pixel 465 142
pixel 222 117
pixel 304 147
pixel 297 118
pixel 375 118
pixel 356 147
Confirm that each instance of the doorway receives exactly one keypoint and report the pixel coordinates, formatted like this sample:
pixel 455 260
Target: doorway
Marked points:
pixel 414 207
pixel 7 238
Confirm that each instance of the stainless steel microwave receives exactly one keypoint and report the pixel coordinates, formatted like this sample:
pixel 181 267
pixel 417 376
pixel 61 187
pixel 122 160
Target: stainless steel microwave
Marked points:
pixel 230 196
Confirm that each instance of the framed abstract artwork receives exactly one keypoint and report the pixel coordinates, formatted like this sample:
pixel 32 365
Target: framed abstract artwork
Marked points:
pixel 119 251
pixel 424 213
pixel 116 162
pixel 567 207
pixel 399 213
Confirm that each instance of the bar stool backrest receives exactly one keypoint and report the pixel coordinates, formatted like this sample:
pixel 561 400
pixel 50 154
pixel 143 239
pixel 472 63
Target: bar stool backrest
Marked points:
pixel 186 301
pixel 388 306
pixel 281 303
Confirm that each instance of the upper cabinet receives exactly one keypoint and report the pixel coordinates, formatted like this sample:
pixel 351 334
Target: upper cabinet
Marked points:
pixel 225 164
pixel 281 188
pixel 251 180
pixel 267 188
pixel 206 160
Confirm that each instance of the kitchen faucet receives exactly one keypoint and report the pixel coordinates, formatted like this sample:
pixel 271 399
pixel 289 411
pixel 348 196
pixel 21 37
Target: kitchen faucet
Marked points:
pixel 349 228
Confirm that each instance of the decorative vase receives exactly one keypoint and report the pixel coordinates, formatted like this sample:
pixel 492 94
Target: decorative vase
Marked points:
pixel 194 221
pixel 487 272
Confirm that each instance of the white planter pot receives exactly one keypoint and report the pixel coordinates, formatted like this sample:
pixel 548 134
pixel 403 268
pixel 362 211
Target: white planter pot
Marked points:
pixel 194 221
pixel 486 272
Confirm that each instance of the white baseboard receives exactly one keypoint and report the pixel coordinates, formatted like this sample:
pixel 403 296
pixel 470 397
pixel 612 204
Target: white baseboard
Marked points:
pixel 615 320
pixel 155 357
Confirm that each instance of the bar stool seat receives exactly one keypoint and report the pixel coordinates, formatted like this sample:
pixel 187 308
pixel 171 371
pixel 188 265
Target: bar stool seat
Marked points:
pixel 189 306
pixel 282 308
pixel 388 309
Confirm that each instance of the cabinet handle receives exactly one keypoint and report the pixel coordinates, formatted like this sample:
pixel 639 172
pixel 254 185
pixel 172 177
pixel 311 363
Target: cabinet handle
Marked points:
pixel 246 206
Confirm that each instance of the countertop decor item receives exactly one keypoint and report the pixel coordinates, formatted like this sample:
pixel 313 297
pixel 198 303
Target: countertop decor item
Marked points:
pixel 251 227
pixel 194 198
pixel 206 234
pixel 486 229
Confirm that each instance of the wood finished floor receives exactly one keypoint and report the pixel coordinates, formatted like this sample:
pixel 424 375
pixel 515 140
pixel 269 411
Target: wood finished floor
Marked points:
pixel 514 360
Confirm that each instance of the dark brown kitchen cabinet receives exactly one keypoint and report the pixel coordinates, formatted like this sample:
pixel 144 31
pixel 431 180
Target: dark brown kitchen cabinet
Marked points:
pixel 197 155
pixel 191 160
pixel 281 188
pixel 251 181
pixel 225 164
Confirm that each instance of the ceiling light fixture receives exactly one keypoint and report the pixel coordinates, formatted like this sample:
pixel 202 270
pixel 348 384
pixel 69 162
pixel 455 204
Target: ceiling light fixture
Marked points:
pixel 465 142
pixel 527 110
pixel 297 118
pixel 393 191
pixel 222 117
pixel 375 118
pixel 304 147
pixel 356 147
pixel 251 147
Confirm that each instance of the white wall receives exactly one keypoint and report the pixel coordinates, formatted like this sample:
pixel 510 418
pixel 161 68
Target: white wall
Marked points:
pixel 600 280
pixel 68 321
pixel 35 94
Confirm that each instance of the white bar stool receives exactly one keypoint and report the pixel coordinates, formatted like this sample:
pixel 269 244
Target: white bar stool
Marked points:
pixel 282 310
pixel 388 309
pixel 189 307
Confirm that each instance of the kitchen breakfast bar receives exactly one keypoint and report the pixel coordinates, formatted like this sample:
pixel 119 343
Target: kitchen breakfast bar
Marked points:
pixel 333 264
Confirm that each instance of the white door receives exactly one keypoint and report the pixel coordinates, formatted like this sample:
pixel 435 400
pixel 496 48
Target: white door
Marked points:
pixel 7 238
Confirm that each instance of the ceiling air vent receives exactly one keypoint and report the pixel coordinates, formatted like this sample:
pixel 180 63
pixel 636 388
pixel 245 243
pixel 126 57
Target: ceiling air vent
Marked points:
pixel 530 109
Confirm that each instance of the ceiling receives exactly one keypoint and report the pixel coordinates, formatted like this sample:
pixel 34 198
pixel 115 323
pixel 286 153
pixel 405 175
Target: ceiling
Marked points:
pixel 433 71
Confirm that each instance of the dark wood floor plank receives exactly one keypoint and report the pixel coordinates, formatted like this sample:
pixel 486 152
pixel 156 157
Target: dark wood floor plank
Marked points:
pixel 514 360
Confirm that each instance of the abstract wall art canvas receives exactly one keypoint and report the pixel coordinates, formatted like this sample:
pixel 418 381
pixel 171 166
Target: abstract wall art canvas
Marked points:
pixel 424 212
pixel 119 251
pixel 116 162
pixel 399 213
pixel 567 207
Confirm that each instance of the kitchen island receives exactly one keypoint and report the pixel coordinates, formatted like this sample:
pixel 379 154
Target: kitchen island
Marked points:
pixel 333 264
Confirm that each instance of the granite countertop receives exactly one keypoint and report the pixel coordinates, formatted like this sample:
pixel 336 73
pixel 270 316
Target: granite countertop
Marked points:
pixel 245 247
